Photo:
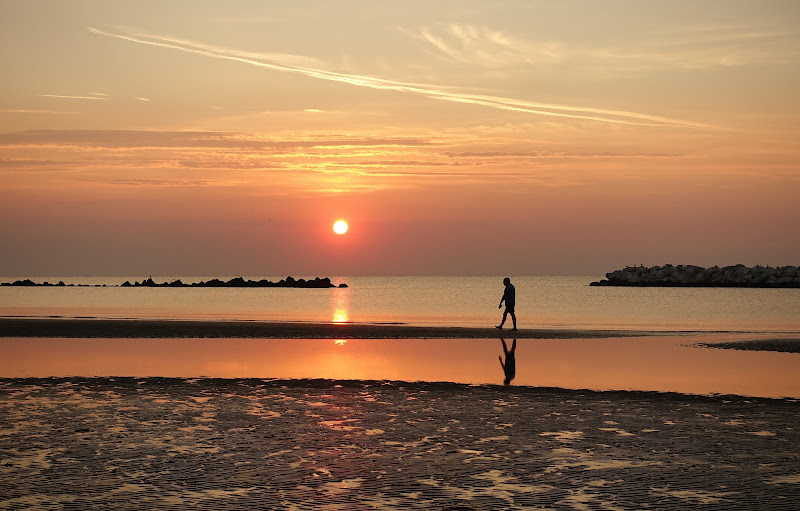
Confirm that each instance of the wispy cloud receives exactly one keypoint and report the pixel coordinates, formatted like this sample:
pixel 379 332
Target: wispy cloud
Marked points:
pixel 699 47
pixel 291 164
pixel 28 164
pixel 136 139
pixel 142 99
pixel 719 34
pixel 280 63
pixel 165 182
pixel 484 47
pixel 558 154
pixel 96 98
pixel 34 111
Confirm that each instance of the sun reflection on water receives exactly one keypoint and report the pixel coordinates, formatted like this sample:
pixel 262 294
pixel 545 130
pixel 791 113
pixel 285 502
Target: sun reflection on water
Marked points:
pixel 340 305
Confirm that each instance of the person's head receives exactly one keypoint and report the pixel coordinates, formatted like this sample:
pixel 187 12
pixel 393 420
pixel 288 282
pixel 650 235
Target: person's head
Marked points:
pixel 506 281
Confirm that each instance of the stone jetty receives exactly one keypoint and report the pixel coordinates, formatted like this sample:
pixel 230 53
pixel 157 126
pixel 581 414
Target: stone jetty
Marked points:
pixel 317 282
pixel 697 276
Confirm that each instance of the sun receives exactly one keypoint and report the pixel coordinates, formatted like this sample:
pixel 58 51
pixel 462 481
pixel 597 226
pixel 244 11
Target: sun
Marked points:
pixel 340 227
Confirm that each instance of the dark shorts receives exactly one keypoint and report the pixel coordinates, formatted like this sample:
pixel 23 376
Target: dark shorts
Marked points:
pixel 510 308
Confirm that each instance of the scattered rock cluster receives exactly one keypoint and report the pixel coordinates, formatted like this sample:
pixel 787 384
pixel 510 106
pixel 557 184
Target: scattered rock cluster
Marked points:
pixel 236 282
pixel 240 282
pixel 29 282
pixel 697 276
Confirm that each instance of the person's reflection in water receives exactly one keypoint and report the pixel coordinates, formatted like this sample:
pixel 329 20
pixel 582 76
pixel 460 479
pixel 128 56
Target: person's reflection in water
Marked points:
pixel 510 364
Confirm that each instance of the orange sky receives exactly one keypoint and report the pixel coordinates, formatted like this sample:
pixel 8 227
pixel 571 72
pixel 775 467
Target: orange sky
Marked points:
pixel 204 138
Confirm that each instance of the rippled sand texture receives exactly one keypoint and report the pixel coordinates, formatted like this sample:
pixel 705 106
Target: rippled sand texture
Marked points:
pixel 161 443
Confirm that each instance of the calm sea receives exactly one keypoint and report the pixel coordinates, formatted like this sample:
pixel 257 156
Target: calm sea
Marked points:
pixel 467 301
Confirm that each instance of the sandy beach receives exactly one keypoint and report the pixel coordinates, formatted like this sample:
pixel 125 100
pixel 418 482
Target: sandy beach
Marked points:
pixel 158 443
pixel 135 442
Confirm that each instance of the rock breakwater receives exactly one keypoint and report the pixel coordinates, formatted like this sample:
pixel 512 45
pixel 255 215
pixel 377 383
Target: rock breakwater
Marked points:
pixel 697 276
pixel 317 282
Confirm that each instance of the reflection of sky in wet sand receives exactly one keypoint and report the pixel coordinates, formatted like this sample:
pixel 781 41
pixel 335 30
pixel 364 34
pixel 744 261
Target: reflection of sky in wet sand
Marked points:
pixel 655 363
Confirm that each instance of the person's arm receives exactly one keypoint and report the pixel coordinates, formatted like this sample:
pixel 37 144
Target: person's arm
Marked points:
pixel 501 363
pixel 502 300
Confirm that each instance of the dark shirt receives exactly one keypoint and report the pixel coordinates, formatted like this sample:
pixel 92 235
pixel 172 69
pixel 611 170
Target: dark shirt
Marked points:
pixel 509 296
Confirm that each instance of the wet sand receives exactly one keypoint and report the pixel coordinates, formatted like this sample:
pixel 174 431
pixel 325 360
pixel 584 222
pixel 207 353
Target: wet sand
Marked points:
pixel 171 443
pixel 235 443
pixel 780 345
pixel 140 328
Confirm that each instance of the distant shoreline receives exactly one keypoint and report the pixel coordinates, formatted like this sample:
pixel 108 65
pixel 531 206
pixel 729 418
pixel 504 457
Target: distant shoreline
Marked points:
pixel 149 328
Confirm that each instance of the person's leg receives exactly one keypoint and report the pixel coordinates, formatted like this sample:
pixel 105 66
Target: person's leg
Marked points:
pixel 514 319
pixel 503 322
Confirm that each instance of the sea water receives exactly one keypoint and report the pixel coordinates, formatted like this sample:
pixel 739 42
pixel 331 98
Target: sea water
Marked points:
pixel 553 302
pixel 663 363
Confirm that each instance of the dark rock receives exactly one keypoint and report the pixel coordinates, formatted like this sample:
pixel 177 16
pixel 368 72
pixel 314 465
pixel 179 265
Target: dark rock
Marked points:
pixel 696 276
pixel 317 282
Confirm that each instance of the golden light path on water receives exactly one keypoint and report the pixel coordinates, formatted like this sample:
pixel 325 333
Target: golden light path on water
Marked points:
pixel 340 305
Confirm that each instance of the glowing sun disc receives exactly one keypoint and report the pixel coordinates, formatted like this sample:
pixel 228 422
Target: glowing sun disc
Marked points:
pixel 340 227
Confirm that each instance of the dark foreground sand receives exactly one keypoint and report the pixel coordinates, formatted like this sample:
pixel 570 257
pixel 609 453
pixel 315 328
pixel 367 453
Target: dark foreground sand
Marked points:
pixel 131 328
pixel 157 443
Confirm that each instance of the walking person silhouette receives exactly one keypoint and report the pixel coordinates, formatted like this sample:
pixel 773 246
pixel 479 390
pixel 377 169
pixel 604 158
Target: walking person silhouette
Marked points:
pixel 509 296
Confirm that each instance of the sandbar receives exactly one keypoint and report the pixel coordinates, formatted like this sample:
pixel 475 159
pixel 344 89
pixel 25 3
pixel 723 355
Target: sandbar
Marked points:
pixel 780 345
pixel 149 328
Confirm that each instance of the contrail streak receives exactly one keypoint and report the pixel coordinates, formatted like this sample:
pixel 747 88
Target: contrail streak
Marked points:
pixel 71 97
pixel 273 62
